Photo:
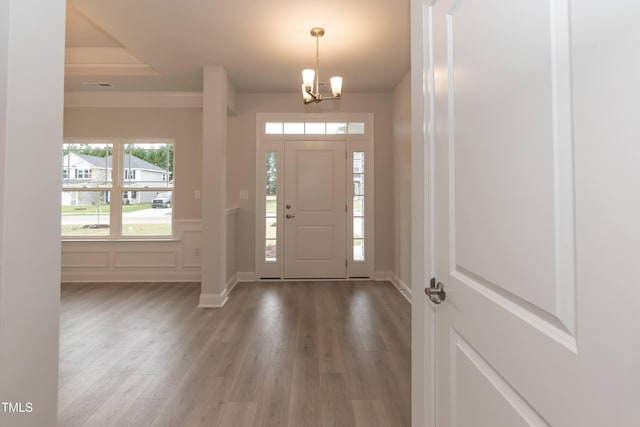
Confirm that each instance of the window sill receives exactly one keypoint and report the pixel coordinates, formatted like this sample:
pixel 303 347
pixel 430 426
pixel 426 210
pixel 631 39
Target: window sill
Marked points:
pixel 132 240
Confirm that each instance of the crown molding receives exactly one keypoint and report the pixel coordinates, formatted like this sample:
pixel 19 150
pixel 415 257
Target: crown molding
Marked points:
pixel 84 99
pixel 104 61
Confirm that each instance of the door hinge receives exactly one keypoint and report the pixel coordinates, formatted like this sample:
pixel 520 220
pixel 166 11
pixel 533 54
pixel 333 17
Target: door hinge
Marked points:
pixel 346 209
pixel 345 263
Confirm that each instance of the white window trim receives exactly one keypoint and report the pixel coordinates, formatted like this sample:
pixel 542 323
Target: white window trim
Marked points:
pixel 354 142
pixel 118 186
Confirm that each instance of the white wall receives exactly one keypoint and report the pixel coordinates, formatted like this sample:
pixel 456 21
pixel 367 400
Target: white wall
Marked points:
pixel 402 179
pixel 242 152
pixel 31 94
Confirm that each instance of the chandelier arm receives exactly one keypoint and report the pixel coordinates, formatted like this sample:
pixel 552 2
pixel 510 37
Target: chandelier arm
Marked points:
pixel 313 95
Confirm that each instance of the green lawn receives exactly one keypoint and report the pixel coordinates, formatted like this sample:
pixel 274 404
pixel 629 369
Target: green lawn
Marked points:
pixel 84 209
pixel 104 209
pixel 146 229
pixel 271 206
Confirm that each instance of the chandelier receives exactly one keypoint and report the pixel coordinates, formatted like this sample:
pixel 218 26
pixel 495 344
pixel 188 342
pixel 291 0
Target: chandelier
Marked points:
pixel 311 78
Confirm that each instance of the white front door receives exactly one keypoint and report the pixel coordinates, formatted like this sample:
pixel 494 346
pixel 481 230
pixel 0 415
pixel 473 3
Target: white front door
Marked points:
pixel 314 211
pixel 536 176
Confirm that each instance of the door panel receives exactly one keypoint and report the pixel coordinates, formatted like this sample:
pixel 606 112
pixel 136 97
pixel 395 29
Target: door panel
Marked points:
pixel 520 103
pixel 505 158
pixel 315 234
pixel 482 394
pixel 323 238
pixel 506 346
pixel 313 189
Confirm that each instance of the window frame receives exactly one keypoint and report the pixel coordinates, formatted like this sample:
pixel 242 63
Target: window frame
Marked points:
pixel 120 186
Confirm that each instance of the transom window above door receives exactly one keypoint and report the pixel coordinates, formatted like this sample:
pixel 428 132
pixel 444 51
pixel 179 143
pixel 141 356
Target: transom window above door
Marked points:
pixel 314 128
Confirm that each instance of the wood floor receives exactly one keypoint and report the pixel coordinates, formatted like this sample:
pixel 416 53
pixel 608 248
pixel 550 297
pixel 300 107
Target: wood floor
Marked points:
pixel 296 354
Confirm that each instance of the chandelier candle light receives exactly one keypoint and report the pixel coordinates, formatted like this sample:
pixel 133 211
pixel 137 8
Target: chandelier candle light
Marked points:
pixel 311 78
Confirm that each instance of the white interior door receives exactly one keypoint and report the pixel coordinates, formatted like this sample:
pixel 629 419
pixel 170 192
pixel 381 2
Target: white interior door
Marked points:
pixel 315 214
pixel 532 332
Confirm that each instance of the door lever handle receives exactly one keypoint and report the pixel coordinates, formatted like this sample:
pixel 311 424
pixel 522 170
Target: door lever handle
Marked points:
pixel 435 292
pixel 288 216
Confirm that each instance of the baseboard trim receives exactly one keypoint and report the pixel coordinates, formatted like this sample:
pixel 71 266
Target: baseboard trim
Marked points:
pixel 213 300
pixel 382 276
pixel 231 283
pixel 218 300
pixel 402 287
pixel 390 276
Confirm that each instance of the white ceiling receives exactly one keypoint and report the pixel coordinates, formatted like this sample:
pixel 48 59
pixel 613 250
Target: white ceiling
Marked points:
pixel 263 44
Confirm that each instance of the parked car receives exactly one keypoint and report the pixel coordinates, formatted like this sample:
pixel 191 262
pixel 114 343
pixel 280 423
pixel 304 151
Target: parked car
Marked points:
pixel 162 200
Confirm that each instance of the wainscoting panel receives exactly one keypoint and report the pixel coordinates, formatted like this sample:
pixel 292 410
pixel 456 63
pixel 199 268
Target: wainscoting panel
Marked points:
pixel 167 260
pixel 145 259
pixel 89 259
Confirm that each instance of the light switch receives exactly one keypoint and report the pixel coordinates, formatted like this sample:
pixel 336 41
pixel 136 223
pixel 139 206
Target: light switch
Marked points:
pixel 196 194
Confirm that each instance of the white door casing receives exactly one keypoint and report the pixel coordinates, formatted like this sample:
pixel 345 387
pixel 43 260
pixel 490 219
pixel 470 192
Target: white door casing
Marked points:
pixel 315 210
pixel 535 175
pixel 422 229
pixel 274 132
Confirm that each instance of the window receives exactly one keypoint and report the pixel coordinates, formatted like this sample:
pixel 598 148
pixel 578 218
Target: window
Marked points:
pixel 83 173
pixel 127 195
pixel 131 174
pixel 87 206
pixel 314 128
pixel 358 206
pixel 271 207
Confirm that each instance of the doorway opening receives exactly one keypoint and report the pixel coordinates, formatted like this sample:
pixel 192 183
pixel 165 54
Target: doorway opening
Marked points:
pixel 314 196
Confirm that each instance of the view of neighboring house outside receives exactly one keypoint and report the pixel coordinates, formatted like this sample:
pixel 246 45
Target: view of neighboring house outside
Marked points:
pixel 139 173
pixel 83 170
pixel 108 187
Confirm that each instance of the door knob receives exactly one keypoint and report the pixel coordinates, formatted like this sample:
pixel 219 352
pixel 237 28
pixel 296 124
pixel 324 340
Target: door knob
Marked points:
pixel 288 216
pixel 435 292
